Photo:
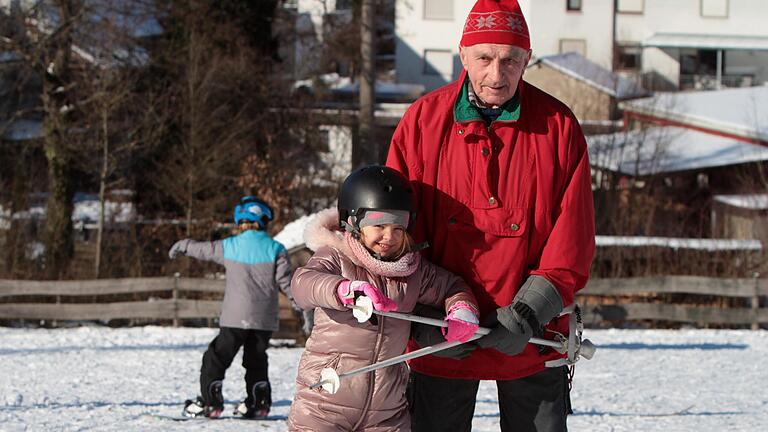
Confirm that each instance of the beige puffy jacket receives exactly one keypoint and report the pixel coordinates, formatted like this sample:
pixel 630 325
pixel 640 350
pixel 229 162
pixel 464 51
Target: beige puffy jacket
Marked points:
pixel 373 401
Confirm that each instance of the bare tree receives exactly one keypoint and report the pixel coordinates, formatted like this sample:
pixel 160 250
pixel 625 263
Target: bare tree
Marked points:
pixel 46 46
pixel 233 126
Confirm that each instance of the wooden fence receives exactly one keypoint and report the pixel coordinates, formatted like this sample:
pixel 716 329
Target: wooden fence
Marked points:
pixel 159 298
pixel 611 301
pixel 634 299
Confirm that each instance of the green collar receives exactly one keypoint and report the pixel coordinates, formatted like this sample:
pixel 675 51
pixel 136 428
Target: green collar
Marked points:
pixel 464 111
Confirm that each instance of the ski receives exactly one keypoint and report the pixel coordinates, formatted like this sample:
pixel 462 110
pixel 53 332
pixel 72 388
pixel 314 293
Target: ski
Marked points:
pixel 222 418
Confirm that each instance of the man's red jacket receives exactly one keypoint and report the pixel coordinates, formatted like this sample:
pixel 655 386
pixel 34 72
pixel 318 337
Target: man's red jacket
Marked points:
pixel 497 204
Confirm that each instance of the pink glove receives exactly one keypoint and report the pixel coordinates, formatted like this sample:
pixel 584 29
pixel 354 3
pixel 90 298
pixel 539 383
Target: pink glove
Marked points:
pixel 462 323
pixel 346 293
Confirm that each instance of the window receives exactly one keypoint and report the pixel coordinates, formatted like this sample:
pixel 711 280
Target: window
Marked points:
pixel 343 5
pixel 698 62
pixel 438 62
pixel 573 45
pixel 438 10
pixel 629 57
pixel 714 8
pixel 630 6
pixel 573 5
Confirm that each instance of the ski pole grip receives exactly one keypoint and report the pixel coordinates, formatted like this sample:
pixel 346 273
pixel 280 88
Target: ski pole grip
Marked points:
pixel 587 349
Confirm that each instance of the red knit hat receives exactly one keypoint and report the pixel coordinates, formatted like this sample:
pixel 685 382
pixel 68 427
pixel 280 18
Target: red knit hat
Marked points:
pixel 496 22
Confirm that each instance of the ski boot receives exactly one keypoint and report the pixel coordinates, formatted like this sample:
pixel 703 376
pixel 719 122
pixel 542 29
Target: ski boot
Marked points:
pixel 257 407
pixel 198 407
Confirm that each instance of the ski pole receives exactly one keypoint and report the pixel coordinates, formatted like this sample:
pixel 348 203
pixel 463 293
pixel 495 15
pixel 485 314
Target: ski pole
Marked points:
pixel 363 309
pixel 330 380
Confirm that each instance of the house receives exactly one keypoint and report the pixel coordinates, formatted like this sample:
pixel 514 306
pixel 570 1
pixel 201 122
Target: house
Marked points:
pixel 740 216
pixel 318 24
pixel 691 44
pixel 697 159
pixel 740 113
pixel 591 91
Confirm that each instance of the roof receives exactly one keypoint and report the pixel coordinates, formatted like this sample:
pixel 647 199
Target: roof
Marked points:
pixel 577 66
pixel 747 201
pixel 706 41
pixel 739 112
pixel 21 130
pixel 679 243
pixel 9 56
pixel 669 149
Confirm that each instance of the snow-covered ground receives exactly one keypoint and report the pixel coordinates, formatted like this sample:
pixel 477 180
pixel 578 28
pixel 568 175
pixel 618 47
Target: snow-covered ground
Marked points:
pixel 101 379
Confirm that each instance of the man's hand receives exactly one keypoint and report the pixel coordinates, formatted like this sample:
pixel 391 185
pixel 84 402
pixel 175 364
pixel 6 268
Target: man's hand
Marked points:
pixel 511 334
pixel 534 305
pixel 179 248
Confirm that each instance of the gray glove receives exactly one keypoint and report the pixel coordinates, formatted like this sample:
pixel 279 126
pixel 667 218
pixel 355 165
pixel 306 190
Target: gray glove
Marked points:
pixel 426 335
pixel 178 248
pixel 535 304
pixel 511 333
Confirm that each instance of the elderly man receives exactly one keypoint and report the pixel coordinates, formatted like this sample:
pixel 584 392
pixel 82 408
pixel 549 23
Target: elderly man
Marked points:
pixel 503 184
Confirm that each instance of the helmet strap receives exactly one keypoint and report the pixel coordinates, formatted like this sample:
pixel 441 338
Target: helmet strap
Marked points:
pixel 350 227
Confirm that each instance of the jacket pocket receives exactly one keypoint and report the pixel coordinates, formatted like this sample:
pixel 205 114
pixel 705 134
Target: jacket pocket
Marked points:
pixel 312 363
pixel 501 222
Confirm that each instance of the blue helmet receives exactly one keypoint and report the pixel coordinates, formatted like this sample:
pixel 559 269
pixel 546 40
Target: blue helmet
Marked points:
pixel 252 209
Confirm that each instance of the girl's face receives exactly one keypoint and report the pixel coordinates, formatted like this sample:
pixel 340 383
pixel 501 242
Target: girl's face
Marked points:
pixel 385 240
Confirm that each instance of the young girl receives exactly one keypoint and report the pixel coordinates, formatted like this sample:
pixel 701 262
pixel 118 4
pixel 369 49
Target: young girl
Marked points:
pixel 374 256
pixel 257 266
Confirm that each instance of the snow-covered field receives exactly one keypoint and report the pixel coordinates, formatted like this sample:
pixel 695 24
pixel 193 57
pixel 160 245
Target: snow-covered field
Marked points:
pixel 101 379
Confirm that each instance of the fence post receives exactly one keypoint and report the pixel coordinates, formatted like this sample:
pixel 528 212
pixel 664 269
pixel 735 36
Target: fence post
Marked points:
pixel 756 302
pixel 175 297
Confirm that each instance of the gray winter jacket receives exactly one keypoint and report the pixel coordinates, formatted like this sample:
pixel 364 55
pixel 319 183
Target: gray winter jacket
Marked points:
pixel 256 267
pixel 374 401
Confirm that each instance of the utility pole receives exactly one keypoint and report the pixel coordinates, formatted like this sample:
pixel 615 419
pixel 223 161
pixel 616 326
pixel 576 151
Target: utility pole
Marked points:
pixel 368 149
pixel 614 45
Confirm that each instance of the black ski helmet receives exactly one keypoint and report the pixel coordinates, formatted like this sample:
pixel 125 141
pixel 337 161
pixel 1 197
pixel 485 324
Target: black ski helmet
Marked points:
pixel 374 187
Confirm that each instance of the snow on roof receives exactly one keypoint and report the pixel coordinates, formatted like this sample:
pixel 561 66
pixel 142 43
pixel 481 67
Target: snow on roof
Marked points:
pixel 341 84
pixel 85 212
pixel 738 111
pixel 669 149
pixel 23 130
pixel 750 201
pixel 577 66
pixel 706 41
pixel 293 235
pixel 680 243
pixel 9 56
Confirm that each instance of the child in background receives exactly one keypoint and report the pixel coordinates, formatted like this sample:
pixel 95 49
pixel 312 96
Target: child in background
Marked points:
pixel 374 257
pixel 256 267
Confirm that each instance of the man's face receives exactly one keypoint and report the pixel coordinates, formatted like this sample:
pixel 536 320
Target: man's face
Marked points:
pixel 494 70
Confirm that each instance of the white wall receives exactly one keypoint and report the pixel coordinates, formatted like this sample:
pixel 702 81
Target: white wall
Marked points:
pixel 549 22
pixel 745 17
pixel 339 155
pixel 415 35
pixel 309 37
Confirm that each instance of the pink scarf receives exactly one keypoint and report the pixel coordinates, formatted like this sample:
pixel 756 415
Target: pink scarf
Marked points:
pixel 405 266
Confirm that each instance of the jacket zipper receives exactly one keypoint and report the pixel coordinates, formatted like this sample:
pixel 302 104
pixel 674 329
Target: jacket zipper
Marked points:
pixel 372 375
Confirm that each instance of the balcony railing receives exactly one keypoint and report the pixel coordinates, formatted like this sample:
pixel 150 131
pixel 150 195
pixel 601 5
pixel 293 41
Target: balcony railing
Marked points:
pixel 709 82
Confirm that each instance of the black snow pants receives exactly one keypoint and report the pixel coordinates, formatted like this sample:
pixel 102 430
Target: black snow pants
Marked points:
pixel 222 351
pixel 537 403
